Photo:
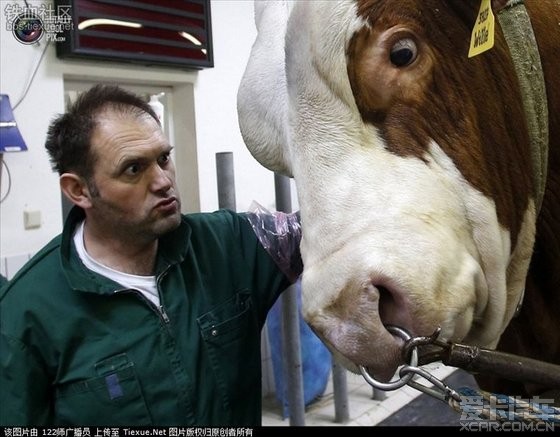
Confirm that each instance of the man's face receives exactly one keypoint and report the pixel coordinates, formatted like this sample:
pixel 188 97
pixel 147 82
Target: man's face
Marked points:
pixel 134 178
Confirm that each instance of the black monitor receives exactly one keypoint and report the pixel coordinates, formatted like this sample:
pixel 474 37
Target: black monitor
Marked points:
pixel 172 33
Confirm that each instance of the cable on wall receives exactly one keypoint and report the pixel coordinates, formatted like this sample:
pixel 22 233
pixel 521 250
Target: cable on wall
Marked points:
pixel 32 77
pixel 9 181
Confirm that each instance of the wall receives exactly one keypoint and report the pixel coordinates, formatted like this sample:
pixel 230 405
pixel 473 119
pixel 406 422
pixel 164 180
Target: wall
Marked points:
pixel 34 187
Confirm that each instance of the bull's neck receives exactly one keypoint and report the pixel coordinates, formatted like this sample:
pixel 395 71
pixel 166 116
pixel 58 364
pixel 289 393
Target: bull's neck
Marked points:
pixel 545 267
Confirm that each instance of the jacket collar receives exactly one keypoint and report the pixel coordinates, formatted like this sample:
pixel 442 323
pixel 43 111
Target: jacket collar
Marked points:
pixel 172 250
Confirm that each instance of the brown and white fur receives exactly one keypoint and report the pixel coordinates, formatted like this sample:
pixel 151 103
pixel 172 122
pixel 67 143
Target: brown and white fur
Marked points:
pixel 415 181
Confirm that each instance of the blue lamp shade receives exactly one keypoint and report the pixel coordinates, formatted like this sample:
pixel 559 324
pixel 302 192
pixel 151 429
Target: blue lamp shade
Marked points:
pixel 10 138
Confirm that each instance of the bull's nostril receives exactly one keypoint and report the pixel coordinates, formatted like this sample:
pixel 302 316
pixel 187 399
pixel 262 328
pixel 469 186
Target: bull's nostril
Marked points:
pixel 393 309
pixel 386 305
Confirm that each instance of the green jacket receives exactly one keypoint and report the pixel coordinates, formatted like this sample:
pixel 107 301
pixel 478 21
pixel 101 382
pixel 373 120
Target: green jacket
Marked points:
pixel 78 349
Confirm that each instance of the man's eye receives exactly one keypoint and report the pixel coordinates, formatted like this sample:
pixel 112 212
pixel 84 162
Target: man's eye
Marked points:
pixel 132 170
pixel 164 159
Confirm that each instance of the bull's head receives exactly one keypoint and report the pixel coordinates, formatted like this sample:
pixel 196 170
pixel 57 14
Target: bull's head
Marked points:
pixel 411 165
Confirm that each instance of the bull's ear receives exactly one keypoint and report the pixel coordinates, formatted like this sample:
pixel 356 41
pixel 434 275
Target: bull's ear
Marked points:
pixel 265 139
pixel 262 99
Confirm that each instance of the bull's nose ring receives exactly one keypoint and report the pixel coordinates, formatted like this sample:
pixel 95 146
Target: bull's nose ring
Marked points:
pixel 393 385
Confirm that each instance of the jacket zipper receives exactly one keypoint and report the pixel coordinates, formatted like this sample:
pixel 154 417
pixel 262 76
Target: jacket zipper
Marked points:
pixel 160 310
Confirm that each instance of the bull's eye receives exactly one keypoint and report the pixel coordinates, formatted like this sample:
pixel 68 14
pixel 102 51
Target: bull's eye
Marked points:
pixel 403 52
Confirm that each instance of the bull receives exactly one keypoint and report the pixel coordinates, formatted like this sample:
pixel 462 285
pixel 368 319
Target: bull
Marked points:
pixel 429 188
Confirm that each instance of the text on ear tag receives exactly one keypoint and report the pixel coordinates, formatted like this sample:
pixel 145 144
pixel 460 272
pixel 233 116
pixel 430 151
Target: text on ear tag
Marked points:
pixel 482 37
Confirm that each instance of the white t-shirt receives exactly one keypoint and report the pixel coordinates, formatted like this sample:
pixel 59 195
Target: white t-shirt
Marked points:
pixel 144 284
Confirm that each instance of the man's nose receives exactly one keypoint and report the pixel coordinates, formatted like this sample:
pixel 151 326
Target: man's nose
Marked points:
pixel 162 179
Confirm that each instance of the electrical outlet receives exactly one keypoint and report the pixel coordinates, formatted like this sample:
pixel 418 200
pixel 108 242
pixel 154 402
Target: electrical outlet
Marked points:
pixel 32 219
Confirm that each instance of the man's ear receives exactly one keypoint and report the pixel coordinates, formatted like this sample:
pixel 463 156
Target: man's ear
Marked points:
pixel 76 190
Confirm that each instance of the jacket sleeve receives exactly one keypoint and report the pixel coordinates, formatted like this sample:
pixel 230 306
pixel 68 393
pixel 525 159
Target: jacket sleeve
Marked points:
pixel 280 235
pixel 23 386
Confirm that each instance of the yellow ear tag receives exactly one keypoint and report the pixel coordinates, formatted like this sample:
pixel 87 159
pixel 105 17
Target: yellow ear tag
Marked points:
pixel 482 37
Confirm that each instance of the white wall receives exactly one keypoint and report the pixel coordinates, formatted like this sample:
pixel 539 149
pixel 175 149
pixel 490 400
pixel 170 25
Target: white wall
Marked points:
pixel 33 184
pixel 35 187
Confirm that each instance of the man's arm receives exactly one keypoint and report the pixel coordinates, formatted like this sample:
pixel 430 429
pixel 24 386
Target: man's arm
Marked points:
pixel 24 398
pixel 280 235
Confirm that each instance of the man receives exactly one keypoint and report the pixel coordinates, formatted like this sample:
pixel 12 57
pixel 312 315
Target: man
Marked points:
pixel 137 314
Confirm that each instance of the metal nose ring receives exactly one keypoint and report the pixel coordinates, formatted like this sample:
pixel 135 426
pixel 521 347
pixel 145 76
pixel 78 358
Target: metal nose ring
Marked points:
pixel 398 383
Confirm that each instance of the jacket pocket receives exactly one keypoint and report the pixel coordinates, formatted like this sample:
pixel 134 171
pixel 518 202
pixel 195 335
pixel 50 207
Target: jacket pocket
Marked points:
pixel 232 338
pixel 114 397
